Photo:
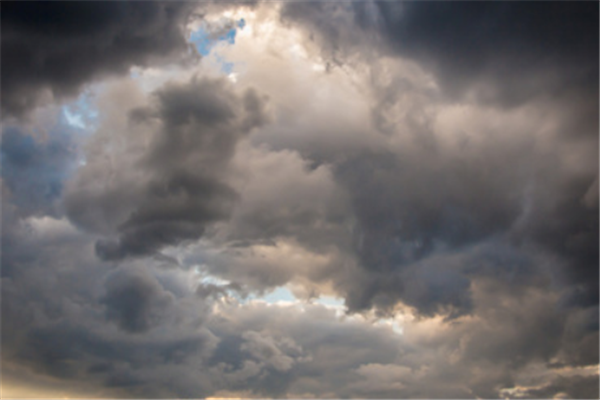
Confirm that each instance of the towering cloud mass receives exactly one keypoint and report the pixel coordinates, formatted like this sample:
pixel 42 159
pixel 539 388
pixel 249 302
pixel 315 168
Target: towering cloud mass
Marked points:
pixel 364 199
pixel 172 162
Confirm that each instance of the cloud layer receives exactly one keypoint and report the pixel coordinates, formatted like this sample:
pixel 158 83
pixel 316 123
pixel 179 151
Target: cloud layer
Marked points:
pixel 337 200
pixel 49 49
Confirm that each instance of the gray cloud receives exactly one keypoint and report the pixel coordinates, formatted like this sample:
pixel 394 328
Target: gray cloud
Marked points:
pixel 73 319
pixel 184 346
pixel 135 302
pixel 453 201
pixel 33 169
pixel 179 185
pixel 59 46
pixel 424 199
pixel 505 45
pixel 506 54
pixel 422 219
pixel 422 210
pixel 266 350
pixel 576 387
pixel 140 331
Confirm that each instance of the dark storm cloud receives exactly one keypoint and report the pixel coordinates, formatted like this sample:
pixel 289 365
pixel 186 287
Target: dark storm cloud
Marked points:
pixel 174 209
pixel 70 318
pixel 59 46
pixel 71 351
pixel 427 220
pixel 411 218
pixel 130 333
pixel 506 44
pixel 572 233
pixel 508 53
pixel 412 213
pixel 488 235
pixel 73 319
pixel 425 200
pixel 193 130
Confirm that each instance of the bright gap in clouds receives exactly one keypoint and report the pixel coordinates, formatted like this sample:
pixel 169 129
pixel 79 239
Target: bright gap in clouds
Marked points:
pixel 75 120
pixel 82 114
pixel 204 40
pixel 280 295
pixel 222 32
pixel 283 295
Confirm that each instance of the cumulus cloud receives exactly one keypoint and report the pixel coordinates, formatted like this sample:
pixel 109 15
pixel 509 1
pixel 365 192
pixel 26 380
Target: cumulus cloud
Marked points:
pixel 439 180
pixel 413 178
pixel 175 186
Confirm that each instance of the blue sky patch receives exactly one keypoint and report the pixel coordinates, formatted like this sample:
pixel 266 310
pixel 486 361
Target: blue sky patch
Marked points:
pixel 80 115
pixel 279 294
pixel 205 41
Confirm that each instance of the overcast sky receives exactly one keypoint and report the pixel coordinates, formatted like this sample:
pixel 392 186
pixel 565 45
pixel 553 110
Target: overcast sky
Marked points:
pixel 300 199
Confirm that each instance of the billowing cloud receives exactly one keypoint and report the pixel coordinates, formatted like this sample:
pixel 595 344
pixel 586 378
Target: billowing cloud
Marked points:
pixel 50 50
pixel 135 302
pixel 506 54
pixel 175 187
pixel 370 199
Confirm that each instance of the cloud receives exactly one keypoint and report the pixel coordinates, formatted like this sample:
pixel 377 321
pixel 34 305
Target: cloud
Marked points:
pixel 446 197
pixel 505 54
pixel 412 179
pixel 432 200
pixel 175 185
pixel 266 350
pixel 135 301
pixel 33 169
pixel 577 387
pixel 53 49
pixel 141 330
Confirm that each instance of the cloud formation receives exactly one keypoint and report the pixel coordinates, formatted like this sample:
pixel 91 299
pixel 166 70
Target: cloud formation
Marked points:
pixel 369 199
pixel 501 53
pixel 51 50
pixel 175 188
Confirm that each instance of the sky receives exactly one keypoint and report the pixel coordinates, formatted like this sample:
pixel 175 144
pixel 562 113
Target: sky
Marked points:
pixel 262 199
